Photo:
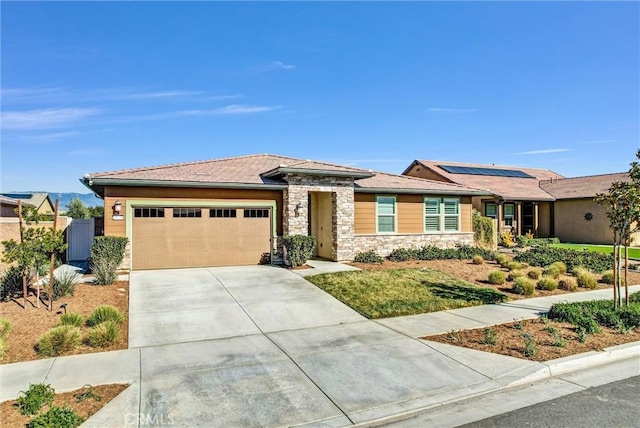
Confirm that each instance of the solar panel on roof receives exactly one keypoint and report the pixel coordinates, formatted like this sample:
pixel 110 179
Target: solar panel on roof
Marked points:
pixel 495 172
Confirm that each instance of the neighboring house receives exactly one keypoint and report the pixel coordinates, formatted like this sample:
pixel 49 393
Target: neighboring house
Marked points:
pixel 40 200
pixel 234 211
pixel 8 207
pixel 517 202
pixel 577 218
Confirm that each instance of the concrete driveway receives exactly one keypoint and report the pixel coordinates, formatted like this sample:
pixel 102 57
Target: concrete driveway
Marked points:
pixel 260 346
pixel 188 305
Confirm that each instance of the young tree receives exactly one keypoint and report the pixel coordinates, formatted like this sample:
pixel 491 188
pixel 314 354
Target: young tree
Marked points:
pixel 78 210
pixel 623 210
pixel 96 211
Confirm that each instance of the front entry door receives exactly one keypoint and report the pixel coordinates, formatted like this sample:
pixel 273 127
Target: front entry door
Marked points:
pixel 528 224
pixel 321 224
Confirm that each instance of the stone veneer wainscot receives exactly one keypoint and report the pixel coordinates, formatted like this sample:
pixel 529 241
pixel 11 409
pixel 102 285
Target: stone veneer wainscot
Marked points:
pixel 384 244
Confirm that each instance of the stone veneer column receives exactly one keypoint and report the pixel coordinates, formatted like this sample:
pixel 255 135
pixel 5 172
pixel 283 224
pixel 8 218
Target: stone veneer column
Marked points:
pixel 342 217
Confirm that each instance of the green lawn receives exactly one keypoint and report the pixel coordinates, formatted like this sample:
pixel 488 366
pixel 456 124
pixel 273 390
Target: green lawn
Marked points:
pixel 634 253
pixel 397 292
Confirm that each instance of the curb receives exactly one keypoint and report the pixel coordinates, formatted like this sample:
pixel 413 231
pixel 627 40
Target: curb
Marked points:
pixel 552 368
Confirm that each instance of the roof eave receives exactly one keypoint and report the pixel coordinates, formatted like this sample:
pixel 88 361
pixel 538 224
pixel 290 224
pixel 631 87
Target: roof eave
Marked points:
pixel 93 183
pixel 421 191
pixel 317 172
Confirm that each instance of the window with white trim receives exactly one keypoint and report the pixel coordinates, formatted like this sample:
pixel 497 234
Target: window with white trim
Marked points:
pixel 386 212
pixel 491 210
pixel 509 214
pixel 441 214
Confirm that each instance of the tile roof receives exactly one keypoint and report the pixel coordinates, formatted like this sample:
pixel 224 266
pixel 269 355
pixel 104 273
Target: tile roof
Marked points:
pixel 582 187
pixel 35 199
pixel 510 188
pixel 261 169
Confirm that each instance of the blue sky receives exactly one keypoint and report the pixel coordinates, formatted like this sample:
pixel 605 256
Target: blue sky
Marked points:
pixel 90 87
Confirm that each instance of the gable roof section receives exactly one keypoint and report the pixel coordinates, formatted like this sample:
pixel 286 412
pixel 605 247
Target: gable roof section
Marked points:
pixel 508 188
pixel 263 171
pixel 35 199
pixel 5 200
pixel 582 187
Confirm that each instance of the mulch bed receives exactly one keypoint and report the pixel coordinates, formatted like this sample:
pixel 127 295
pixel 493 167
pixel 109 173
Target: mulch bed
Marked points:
pixel 509 340
pixel 30 324
pixel 11 417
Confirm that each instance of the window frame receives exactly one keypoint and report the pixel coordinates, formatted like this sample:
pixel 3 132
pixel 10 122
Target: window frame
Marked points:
pixel 511 217
pixel 493 204
pixel 442 215
pixel 394 215
pixel 141 210
pixel 197 212
pixel 232 212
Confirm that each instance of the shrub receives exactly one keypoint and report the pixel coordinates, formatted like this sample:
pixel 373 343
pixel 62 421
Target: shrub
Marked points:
pixel 524 286
pixel 535 273
pixel 482 229
pixel 552 271
pixel 60 339
pixel 489 336
pixel 368 257
pixel 502 260
pixel 586 279
pixel 607 277
pixel 544 256
pixel 516 265
pixel 107 253
pixel 477 260
pixel 497 277
pixel 57 417
pixel 33 399
pixel 514 274
pixel 568 284
pixel 547 283
pixel 103 334
pixel 3 347
pixel 5 327
pixel 105 313
pixel 71 318
pixel 299 249
pixel 64 283
pixel 465 252
pixel 590 315
pixel 530 347
pixel 11 283
pixel 560 266
pixel 506 239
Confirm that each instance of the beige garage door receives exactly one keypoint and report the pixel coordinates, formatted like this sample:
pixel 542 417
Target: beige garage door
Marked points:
pixel 166 238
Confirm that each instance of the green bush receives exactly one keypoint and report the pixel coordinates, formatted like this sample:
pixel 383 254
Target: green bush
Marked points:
pixel 547 283
pixel 107 253
pixel 299 249
pixel 535 273
pixel 105 313
pixel 568 284
pixel 524 286
pixel 58 340
pixel 402 255
pixel 11 283
pixel 585 278
pixel 514 274
pixel 57 417
pixel 482 229
pixel 477 260
pixel 3 347
pixel 64 283
pixel 368 257
pixel 552 271
pixel 103 334
pixel 502 260
pixel 592 314
pixel 497 277
pixel 5 327
pixel 431 252
pixel 516 265
pixel 524 241
pixel 489 336
pixel 33 399
pixel 607 277
pixel 560 266
pixel 71 318
pixel 544 256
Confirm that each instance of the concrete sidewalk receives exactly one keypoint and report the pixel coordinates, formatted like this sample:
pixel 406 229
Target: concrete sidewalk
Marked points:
pixel 328 375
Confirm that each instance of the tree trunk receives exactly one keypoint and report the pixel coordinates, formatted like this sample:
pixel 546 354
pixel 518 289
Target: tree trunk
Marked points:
pixel 619 275
pixel 626 273
pixel 24 274
pixel 615 277
pixel 37 289
pixel 53 259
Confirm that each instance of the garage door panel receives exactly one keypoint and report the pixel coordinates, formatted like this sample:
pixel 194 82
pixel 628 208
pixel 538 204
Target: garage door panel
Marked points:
pixel 177 242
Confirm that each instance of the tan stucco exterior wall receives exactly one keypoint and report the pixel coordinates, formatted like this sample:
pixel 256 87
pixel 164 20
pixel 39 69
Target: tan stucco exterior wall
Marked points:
pixel 544 220
pixel 10 229
pixel 571 226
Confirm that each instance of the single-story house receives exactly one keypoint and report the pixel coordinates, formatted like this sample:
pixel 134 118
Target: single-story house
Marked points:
pixel 40 200
pixel 234 211
pixel 577 217
pixel 8 206
pixel 516 200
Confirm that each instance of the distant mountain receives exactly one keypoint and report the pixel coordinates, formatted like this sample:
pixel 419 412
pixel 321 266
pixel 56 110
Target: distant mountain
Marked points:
pixel 89 199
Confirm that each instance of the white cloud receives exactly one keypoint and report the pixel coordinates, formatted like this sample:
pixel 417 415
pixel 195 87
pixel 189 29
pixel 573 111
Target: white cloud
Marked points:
pixel 451 110
pixel 272 66
pixel 545 151
pixel 45 118
pixel 161 94
pixel 48 138
pixel 233 109
pixel 31 94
